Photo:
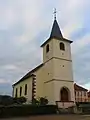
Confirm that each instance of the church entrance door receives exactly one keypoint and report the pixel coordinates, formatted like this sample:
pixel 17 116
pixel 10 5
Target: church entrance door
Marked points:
pixel 64 95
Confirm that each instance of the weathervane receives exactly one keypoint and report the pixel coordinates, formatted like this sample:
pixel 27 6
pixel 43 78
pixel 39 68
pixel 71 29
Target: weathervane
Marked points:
pixel 55 13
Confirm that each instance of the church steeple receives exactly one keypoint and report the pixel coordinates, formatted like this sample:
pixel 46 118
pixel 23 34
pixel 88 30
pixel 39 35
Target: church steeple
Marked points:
pixel 55 32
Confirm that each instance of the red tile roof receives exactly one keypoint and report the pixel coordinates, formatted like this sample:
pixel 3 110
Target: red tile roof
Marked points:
pixel 89 94
pixel 79 88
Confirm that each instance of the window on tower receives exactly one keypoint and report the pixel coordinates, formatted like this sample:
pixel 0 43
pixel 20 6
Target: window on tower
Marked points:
pixel 62 46
pixel 47 48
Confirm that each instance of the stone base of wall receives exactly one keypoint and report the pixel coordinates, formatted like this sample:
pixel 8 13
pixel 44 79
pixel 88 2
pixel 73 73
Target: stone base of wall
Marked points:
pixel 70 110
pixel 65 104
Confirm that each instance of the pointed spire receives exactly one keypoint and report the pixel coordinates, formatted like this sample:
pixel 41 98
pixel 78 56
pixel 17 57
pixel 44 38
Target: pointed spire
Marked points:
pixel 55 32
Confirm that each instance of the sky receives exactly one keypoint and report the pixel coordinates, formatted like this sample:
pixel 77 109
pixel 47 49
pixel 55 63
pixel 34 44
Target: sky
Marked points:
pixel 26 24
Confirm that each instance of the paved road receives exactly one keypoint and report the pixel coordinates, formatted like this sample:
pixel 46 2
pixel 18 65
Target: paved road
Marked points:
pixel 54 117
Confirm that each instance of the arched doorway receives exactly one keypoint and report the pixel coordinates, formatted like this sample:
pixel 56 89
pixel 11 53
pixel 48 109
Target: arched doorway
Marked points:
pixel 65 94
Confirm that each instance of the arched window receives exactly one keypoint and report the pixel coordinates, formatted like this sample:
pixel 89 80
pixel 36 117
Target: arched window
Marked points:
pixel 47 48
pixel 20 91
pixel 62 46
pixel 16 92
pixel 25 89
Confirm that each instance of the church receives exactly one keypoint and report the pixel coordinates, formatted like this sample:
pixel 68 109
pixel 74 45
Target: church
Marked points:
pixel 53 78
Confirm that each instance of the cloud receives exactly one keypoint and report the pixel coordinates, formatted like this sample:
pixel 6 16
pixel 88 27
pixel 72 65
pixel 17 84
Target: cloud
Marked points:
pixel 81 59
pixel 10 67
pixel 25 24
pixel 2 81
pixel 72 15
pixel 81 43
pixel 5 88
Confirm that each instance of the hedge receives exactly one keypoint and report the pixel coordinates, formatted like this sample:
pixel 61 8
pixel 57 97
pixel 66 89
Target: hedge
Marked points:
pixel 25 110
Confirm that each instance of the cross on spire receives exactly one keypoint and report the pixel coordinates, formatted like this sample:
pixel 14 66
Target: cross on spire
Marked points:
pixel 55 13
pixel 55 32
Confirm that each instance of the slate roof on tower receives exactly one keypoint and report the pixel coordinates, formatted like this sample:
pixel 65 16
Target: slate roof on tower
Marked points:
pixel 56 33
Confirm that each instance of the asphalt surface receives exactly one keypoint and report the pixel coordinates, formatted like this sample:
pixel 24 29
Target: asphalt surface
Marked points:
pixel 52 117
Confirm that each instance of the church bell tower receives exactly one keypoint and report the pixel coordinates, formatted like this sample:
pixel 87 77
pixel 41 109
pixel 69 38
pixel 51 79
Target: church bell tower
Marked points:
pixel 59 84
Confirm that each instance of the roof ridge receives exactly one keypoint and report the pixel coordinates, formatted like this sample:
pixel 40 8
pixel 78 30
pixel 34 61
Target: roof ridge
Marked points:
pixel 28 74
pixel 81 87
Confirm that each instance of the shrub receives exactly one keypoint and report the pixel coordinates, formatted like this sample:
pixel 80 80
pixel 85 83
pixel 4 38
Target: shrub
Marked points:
pixel 19 100
pixel 35 102
pixel 43 101
pixel 24 110
pixel 6 100
pixel 40 101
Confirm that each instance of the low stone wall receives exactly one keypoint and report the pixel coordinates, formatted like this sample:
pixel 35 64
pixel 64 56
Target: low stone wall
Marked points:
pixel 65 104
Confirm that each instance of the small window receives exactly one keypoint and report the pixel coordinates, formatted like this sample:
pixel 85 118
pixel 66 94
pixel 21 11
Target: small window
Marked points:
pixel 16 92
pixel 78 93
pixel 20 91
pixel 62 46
pixel 81 93
pixel 26 89
pixel 84 93
pixel 75 93
pixel 47 48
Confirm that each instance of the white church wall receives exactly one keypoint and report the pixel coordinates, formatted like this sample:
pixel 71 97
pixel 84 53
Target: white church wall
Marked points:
pixel 43 74
pixel 48 71
pixel 63 70
pixel 50 92
pixel 29 89
pixel 39 82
